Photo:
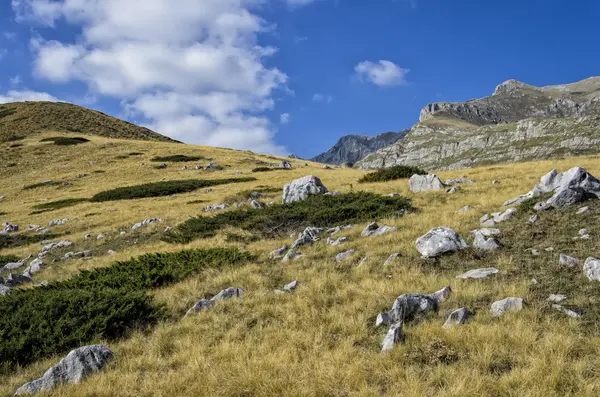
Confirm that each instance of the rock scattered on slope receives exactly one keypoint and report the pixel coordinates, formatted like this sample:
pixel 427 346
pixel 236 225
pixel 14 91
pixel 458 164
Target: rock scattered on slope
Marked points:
pixel 457 317
pixel 567 260
pixel 451 182
pixel 278 253
pixel 291 254
pixel 342 256
pixel 58 222
pixel 487 231
pixel 373 229
pixel 256 204
pixel 74 368
pixel 453 189
pixel 591 269
pixel 566 311
pixel 8 227
pixel 485 244
pixel 490 220
pixel 215 207
pixel 465 208
pixel 82 254
pixel 556 298
pixel 227 293
pixel 300 189
pixel 145 222
pixel 391 258
pixel 308 236
pixel 337 229
pixel 35 266
pixel 286 165
pixel 570 187
pixel 439 241
pixel 338 241
pixel 14 280
pixel 406 306
pixel 291 286
pixel 499 308
pixel 420 183
pixel 583 210
pixel 533 219
pixel 479 273
pixel 393 337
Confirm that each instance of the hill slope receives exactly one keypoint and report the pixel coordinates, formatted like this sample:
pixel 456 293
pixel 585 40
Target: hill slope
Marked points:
pixel 22 119
pixel 351 148
pixel 518 122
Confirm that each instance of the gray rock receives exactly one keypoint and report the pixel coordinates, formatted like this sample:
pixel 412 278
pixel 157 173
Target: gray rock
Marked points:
pixel 256 204
pixel 439 241
pixel 583 232
pixel 457 317
pixel 549 249
pixel 308 236
pixel 339 229
pixel 4 290
pixel 344 255
pixel 286 165
pixel 567 260
pixel 35 266
pixel 300 189
pixel 383 318
pixel 392 195
pixel 420 183
pixel 479 273
pixel 406 306
pixel 535 252
pixel 533 219
pixel 556 298
pixel 506 215
pixel 278 253
pixel 225 294
pixel 583 210
pixel 291 254
pixel 495 182
pixel 566 311
pixel 100 236
pixel 215 207
pixel 391 258
pixel 291 286
pixel 161 166
pixel 145 222
pixel 373 229
pixel 338 241
pixel 485 244
pixel 393 337
pixel 14 280
pixel 12 266
pixel 487 231
pixel 111 252
pixel 74 368
pixel 453 189
pixel 499 308
pixel 58 222
pixel 465 208
pixel 52 246
pixel 451 182
pixel 8 227
pixel 591 269
pixel 213 166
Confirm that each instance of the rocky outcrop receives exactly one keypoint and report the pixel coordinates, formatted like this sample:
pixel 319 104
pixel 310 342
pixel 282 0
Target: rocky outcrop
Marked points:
pixel 351 148
pixel 439 241
pixel 300 189
pixel 419 183
pixel 518 122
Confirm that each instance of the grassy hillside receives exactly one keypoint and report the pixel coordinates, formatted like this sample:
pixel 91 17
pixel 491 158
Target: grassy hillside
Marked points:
pixel 26 118
pixel 319 340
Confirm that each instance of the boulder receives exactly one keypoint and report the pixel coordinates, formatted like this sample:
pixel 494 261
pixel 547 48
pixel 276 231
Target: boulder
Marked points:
pixel 74 368
pixel 485 244
pixel 419 183
pixel 58 222
pixel 286 165
pixel 215 207
pixel 567 260
pixel 591 269
pixel 339 241
pixel 291 286
pixel 373 229
pixel 291 254
pixel 383 318
pixel 308 236
pixel 406 306
pixel 300 189
pixel 8 227
pixel 487 231
pixel 490 220
pixel 278 253
pixel 499 308
pixel 337 229
pixel 14 280
pixel 393 337
pixel 35 266
pixel 439 241
pixel 4 290
pixel 145 222
pixel 213 166
pixel 457 317
pixel 225 294
pixel 479 273
pixel 256 204
pixel 344 255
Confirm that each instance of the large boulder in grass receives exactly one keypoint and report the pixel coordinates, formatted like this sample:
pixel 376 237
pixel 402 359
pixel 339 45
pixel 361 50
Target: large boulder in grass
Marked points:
pixel 439 241
pixel 419 183
pixel 300 189
pixel 74 368
pixel 406 306
pixel 570 187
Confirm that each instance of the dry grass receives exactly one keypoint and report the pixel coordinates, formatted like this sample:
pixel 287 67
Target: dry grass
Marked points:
pixel 320 340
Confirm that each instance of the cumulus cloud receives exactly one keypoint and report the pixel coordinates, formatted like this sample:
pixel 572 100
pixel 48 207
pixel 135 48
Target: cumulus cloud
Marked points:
pixel 195 72
pixel 384 73
pixel 26 95
pixel 322 98
pixel 284 118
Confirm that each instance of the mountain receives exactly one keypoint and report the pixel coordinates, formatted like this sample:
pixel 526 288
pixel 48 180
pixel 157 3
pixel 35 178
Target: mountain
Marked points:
pixel 517 122
pixel 22 119
pixel 351 148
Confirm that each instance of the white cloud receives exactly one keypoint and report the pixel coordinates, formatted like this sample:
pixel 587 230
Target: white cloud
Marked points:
pixel 300 39
pixel 15 81
pixel 384 73
pixel 322 98
pixel 26 95
pixel 299 2
pixel 284 118
pixel 195 72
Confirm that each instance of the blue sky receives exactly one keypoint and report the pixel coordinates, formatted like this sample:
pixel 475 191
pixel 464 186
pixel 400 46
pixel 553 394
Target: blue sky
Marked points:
pixel 286 76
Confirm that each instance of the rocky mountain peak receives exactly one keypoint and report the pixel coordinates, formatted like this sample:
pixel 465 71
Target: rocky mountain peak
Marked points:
pixel 508 86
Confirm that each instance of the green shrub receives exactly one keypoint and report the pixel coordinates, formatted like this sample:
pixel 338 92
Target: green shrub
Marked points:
pixel 55 205
pixel 104 303
pixel 15 145
pixel 65 141
pixel 135 154
pixel 281 219
pixel 42 184
pixel 159 189
pixel 267 169
pixel 392 173
pixel 4 259
pixel 18 240
pixel 176 158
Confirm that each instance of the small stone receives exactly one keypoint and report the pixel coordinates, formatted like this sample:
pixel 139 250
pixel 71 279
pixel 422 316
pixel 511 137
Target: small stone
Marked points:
pixel 567 260
pixel 583 232
pixel 495 182
pixel 499 308
pixel 591 269
pixel 111 252
pixel 465 208
pixel 291 254
pixel 549 249
pixel 585 237
pixel 487 231
pixel 373 229
pixel 344 255
pixel 479 273
pixel 535 252
pixel 291 286
pixel 391 258
pixel 453 189
pixel 485 244
pixel 393 337
pixel 100 236
pixel 457 317
pixel 583 210
pixel 556 298
pixel 533 219
pixel 534 281
pixel 278 253
pixel 566 311
pixel 339 241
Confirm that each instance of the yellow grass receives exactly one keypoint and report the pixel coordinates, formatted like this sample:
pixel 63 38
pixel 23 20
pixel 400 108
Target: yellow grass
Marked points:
pixel 320 340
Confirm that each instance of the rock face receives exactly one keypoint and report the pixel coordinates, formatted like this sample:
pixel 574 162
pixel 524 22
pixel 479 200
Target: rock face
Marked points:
pixel 74 368
pixel 570 187
pixel 439 241
pixel 419 183
pixel 351 148
pixel 518 122
pixel 300 189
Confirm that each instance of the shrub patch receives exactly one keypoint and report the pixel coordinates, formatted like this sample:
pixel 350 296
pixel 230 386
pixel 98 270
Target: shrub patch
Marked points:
pixel 392 173
pixel 4 259
pixel 55 205
pixel 177 158
pixel 281 219
pixel 65 141
pixel 159 189
pixel 267 169
pixel 42 184
pixel 19 240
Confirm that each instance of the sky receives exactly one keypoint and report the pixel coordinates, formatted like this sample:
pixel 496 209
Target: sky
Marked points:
pixel 286 76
